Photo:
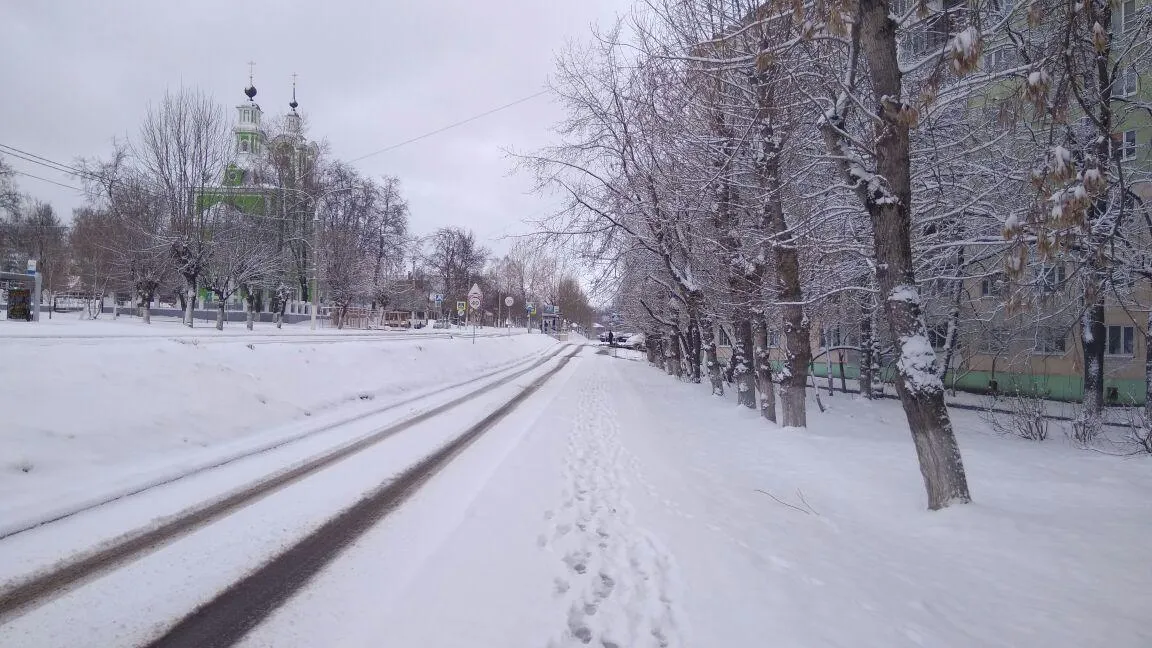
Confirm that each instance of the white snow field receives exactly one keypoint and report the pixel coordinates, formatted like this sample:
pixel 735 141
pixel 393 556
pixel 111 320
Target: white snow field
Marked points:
pixel 629 512
pixel 617 507
pixel 93 409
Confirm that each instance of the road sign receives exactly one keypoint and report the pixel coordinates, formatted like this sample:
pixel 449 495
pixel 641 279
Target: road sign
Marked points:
pixel 436 297
pixel 508 301
pixel 31 267
pixel 530 308
pixel 461 308
pixel 474 302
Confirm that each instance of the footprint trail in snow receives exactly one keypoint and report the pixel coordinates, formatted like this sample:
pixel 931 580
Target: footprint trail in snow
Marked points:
pixel 615 579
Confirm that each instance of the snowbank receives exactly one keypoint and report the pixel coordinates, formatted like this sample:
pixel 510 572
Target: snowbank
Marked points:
pixel 820 537
pixel 94 411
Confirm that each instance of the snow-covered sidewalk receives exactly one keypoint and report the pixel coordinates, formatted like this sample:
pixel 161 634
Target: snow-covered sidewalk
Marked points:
pixel 638 511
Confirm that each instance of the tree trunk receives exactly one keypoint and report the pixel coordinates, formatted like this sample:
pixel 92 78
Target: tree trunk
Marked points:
pixel 763 363
pixel 694 344
pixel 743 374
pixel 1093 340
pixel 865 375
pixel 889 204
pixel 672 356
pixel 797 340
pixel 828 371
pixel 708 335
pixel 843 378
pixel 652 347
pixel 220 315
pixel 953 333
pixel 146 311
pixel 1093 334
pixel 781 245
pixel 189 303
pixel 249 316
pixel 877 370
pixel 1148 372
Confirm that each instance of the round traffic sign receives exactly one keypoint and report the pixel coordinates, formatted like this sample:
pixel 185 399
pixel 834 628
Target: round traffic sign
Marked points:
pixel 508 301
pixel 474 302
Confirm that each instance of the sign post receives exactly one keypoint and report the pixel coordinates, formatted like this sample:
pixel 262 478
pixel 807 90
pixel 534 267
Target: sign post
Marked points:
pixel 475 299
pixel 508 301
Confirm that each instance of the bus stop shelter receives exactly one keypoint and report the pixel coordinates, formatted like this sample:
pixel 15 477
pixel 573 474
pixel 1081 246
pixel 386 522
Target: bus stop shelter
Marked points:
pixel 22 296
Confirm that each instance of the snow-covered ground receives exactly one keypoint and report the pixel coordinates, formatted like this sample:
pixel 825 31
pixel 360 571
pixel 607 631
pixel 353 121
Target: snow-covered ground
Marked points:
pixel 635 511
pixel 620 508
pixel 92 409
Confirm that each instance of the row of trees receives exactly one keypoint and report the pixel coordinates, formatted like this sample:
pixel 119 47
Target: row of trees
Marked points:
pixel 757 166
pixel 163 220
pixel 528 273
pixel 160 224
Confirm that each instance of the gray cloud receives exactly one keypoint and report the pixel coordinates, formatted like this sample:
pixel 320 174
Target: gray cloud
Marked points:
pixel 370 74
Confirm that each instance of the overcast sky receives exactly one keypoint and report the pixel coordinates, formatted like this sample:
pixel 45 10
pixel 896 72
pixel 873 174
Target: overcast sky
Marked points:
pixel 371 74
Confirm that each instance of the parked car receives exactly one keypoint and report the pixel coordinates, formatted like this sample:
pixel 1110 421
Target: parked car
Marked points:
pixel 622 339
pixel 636 342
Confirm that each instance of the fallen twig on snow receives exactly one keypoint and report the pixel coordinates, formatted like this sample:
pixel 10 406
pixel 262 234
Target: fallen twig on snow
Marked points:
pixel 806 511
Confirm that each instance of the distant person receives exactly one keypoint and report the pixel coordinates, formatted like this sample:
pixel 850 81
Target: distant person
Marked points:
pixel 611 339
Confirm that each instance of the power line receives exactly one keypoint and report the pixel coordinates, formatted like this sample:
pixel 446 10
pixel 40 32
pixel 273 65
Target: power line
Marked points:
pixel 59 184
pixel 64 168
pixel 25 155
pixel 452 125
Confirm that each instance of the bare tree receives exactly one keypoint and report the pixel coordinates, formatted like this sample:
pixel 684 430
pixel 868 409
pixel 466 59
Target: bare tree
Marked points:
pixel 92 258
pixel 183 148
pixel 456 260
pixel 241 256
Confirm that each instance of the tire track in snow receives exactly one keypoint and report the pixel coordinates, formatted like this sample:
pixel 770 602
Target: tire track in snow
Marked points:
pixel 613 577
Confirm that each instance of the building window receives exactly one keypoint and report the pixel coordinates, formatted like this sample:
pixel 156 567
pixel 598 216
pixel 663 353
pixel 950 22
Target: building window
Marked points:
pixel 1001 7
pixel 773 339
pixel 1127 82
pixel 1122 280
pixel 1130 15
pixel 1051 278
pixel 725 340
pixel 1050 339
pixel 992 286
pixel 1002 58
pixel 938 336
pixel 916 41
pixel 1120 340
pixel 830 336
pixel 1128 145
pixel 244 144
pixel 994 341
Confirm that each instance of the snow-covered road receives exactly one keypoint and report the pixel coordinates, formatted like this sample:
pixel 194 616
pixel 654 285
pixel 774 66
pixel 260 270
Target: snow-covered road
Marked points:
pixel 153 589
pixel 617 507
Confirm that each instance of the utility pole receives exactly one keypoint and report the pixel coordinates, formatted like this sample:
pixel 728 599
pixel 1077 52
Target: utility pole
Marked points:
pixel 316 251
pixel 315 263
